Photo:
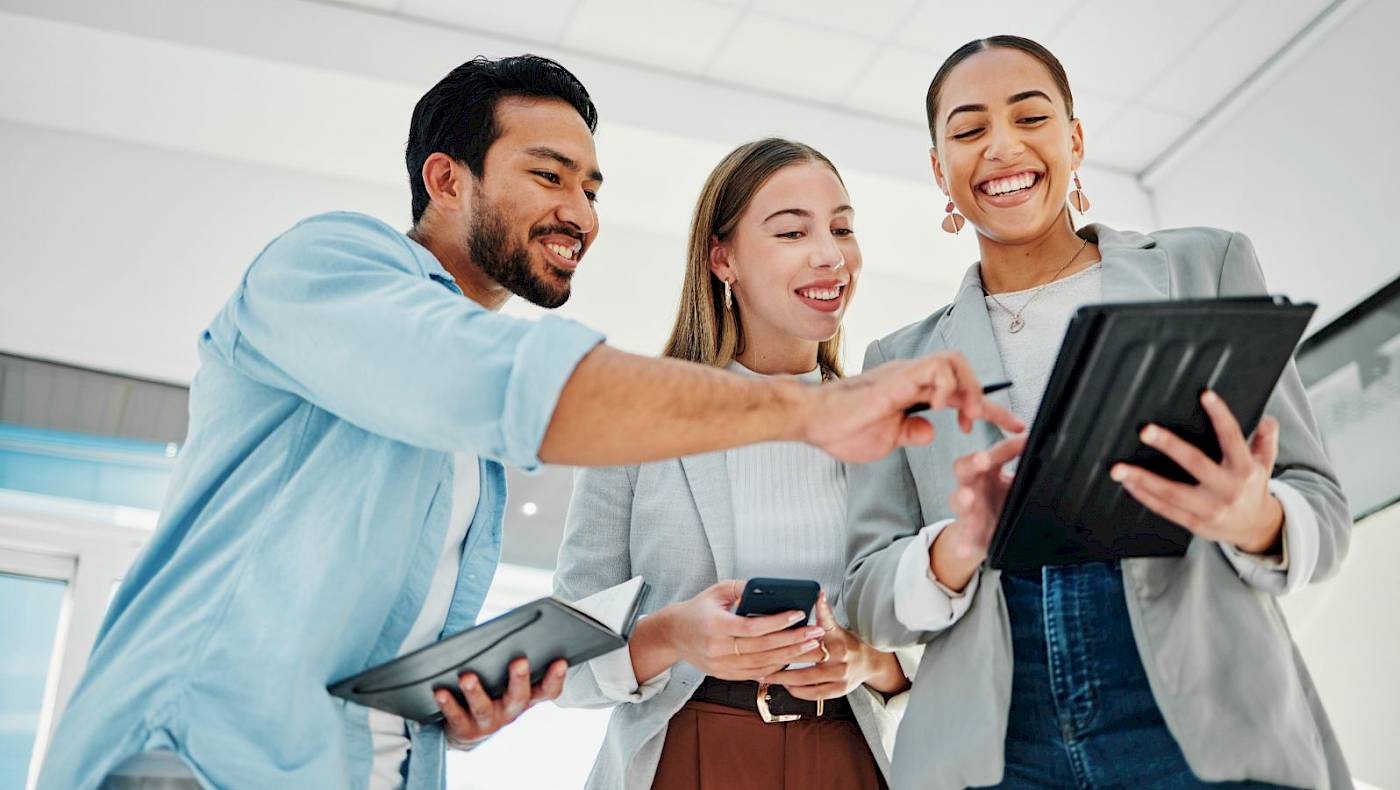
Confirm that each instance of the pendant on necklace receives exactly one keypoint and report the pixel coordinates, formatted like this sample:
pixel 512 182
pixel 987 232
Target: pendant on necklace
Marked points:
pixel 1016 324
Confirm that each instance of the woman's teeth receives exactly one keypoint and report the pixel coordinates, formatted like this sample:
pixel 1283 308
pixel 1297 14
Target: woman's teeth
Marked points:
pixel 563 252
pixel 1001 186
pixel 821 294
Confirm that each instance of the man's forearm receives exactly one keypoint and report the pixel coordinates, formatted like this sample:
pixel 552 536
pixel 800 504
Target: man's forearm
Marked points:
pixel 621 408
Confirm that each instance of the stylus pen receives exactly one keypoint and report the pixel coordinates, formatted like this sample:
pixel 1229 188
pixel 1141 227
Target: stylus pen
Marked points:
pixel 987 390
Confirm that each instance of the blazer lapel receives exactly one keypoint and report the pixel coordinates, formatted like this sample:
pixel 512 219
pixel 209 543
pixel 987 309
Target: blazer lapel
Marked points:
pixel 966 327
pixel 708 477
pixel 1133 268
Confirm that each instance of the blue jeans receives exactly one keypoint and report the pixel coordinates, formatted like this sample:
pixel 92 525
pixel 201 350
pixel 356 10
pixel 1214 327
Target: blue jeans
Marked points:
pixel 1082 714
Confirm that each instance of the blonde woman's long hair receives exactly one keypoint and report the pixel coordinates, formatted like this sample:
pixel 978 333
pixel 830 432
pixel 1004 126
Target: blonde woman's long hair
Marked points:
pixel 705 331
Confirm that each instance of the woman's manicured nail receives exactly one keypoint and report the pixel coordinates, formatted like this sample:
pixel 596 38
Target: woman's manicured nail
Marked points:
pixel 1118 473
pixel 1149 434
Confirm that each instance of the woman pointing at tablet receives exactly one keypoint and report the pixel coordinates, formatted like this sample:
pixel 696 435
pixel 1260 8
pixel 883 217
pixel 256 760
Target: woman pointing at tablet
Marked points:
pixel 1162 672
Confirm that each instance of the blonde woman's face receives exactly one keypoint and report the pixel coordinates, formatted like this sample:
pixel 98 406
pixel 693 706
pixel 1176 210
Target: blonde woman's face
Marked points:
pixel 793 256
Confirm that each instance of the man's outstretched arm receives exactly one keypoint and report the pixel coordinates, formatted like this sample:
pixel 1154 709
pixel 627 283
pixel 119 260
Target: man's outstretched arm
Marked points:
pixel 620 408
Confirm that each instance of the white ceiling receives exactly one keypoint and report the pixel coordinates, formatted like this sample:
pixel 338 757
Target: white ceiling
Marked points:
pixel 221 122
pixel 1144 71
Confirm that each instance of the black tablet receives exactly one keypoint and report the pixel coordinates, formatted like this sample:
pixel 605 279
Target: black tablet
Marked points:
pixel 1120 367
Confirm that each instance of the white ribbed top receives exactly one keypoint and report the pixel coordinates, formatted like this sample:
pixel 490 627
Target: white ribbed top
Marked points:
pixel 1028 356
pixel 789 509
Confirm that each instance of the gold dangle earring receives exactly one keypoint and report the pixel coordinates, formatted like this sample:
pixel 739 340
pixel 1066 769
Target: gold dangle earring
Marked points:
pixel 953 221
pixel 1077 198
pixel 728 297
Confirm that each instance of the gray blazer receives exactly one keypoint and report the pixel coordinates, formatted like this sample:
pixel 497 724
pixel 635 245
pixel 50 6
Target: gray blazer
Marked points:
pixel 1222 666
pixel 671 522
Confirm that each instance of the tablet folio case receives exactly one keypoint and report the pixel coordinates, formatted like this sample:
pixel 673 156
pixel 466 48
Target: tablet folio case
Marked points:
pixel 1120 367
pixel 542 631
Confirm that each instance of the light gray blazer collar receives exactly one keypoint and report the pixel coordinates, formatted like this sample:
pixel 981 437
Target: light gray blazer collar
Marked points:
pixel 708 477
pixel 1133 270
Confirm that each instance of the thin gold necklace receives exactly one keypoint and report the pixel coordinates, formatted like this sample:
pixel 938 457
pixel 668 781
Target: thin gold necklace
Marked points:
pixel 1017 324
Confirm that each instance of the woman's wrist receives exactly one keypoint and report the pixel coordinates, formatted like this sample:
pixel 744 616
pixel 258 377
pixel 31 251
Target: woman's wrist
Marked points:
pixel 884 674
pixel 651 645
pixel 952 567
pixel 1264 540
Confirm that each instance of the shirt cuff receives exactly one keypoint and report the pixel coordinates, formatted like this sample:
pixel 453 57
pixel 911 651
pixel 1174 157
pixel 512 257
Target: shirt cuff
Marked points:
pixel 618 681
pixel 1281 575
pixel 921 602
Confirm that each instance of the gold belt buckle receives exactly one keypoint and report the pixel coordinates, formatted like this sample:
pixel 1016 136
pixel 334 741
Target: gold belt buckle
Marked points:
pixel 769 718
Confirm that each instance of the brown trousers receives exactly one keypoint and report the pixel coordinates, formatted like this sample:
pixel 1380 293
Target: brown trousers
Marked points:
pixel 715 747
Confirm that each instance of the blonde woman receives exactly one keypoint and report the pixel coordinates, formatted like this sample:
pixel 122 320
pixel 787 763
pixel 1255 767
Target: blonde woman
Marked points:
pixel 773 264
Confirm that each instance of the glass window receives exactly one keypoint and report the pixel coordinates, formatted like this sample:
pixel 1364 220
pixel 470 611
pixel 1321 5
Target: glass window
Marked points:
pixel 1351 368
pixel 29 613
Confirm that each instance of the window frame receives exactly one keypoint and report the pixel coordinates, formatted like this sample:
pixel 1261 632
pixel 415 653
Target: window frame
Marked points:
pixel 89 548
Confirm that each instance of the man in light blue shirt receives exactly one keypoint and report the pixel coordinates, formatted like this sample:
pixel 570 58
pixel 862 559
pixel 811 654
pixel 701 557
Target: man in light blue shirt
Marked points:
pixel 339 388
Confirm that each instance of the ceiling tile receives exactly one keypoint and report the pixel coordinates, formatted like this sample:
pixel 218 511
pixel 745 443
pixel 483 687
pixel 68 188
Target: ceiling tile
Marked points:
pixel 539 20
pixel 1097 112
pixel 877 19
pixel 792 59
pixel 681 34
pixel 895 85
pixel 1228 53
pixel 939 26
pixel 1139 136
pixel 1117 48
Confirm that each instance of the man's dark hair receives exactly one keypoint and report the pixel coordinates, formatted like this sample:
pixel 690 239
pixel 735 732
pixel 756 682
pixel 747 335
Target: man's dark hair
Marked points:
pixel 457 116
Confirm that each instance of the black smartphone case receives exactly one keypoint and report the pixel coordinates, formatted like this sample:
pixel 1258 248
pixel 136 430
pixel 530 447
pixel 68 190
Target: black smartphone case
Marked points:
pixel 780 595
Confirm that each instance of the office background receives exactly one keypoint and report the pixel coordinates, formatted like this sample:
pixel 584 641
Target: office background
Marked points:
pixel 149 148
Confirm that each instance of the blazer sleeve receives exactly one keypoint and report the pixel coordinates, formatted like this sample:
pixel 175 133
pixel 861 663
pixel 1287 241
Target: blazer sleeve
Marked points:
pixel 883 518
pixel 1317 527
pixel 593 556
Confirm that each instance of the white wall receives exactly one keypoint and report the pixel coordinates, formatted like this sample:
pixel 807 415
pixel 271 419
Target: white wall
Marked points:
pixel 1306 165
pixel 1346 629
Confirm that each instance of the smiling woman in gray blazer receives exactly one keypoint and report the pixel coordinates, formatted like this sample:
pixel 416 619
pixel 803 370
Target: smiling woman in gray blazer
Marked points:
pixel 1149 672
pixel 773 263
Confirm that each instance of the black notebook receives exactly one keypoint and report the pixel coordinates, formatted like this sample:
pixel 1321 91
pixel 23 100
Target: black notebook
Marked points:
pixel 1120 367
pixel 542 631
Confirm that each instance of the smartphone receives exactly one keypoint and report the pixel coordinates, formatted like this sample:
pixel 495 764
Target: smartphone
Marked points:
pixel 763 596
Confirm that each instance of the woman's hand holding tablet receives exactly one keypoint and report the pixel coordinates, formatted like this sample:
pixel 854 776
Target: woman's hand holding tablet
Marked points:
pixel 1230 501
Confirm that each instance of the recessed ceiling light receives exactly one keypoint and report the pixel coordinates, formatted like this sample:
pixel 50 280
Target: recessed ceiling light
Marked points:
pixel 529 508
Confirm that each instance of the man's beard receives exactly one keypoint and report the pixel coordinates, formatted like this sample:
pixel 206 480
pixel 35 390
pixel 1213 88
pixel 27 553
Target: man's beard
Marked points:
pixel 509 265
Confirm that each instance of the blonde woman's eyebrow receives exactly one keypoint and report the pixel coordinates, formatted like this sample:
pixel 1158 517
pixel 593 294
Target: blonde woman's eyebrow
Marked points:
pixel 805 214
pixel 798 212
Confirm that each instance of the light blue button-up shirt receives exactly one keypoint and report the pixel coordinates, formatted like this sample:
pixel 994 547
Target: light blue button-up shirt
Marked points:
pixel 308 509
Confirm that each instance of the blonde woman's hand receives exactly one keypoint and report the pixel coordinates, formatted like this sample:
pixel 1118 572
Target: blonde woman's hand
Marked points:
pixel 845 664
pixel 704 633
